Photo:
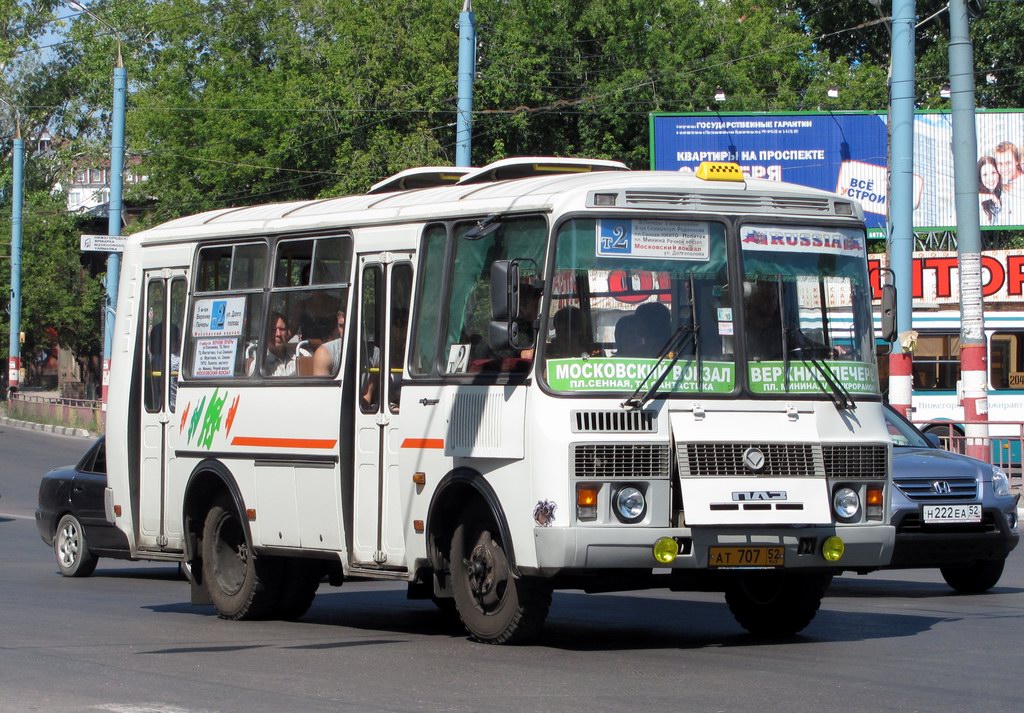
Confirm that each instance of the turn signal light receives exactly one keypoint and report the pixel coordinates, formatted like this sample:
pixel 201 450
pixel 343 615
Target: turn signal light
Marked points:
pixel 874 501
pixel 250 514
pixel 586 502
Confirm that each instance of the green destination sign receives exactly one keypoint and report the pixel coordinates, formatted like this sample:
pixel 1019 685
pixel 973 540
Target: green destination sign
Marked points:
pixel 615 374
pixel 766 377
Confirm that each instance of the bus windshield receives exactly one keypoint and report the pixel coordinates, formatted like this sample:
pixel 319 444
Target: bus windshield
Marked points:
pixel 646 306
pixel 625 292
pixel 806 302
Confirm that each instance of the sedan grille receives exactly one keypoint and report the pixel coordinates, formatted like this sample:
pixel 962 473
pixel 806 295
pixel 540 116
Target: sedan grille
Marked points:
pixel 613 460
pixel 935 489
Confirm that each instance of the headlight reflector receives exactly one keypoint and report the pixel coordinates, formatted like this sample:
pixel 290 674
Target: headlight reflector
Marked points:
pixel 630 504
pixel 846 503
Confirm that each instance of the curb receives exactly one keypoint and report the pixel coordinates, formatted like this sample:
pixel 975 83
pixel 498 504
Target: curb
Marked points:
pixel 32 426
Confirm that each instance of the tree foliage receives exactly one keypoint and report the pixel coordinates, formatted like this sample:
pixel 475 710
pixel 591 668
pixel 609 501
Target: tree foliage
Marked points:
pixel 236 102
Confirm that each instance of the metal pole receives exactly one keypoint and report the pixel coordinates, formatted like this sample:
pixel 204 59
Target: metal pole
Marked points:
pixel 901 195
pixel 114 220
pixel 467 68
pixel 14 345
pixel 973 360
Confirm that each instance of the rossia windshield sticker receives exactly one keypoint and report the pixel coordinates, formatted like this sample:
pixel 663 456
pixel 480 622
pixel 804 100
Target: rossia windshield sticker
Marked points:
pixel 757 237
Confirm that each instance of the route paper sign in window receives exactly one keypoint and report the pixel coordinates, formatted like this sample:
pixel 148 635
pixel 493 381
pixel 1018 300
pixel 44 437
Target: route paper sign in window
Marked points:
pixel 665 239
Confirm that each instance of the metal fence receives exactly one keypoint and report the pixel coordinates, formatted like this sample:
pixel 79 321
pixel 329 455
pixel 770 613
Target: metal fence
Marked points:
pixel 1002 447
pixel 58 411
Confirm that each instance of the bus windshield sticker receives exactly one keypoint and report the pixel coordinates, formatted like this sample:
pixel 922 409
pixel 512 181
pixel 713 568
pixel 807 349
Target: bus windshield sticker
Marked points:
pixel 458 359
pixel 615 374
pixel 661 239
pixel 801 240
pixel 214 357
pixel 219 317
pixel 767 377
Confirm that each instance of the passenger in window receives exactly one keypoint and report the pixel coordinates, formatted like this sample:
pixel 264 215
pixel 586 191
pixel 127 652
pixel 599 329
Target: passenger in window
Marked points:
pixel 282 351
pixel 628 337
pixel 327 357
pixel 655 323
pixel 572 334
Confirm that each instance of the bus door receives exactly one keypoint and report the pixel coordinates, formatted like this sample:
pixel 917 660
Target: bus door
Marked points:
pixel 385 287
pixel 160 362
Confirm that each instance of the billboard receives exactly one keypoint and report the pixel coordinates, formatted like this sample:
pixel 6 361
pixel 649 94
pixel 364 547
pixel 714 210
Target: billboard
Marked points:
pixel 845 152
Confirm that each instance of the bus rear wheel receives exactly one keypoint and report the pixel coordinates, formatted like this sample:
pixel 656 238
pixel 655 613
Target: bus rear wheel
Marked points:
pixel 241 586
pixel 495 606
pixel 776 604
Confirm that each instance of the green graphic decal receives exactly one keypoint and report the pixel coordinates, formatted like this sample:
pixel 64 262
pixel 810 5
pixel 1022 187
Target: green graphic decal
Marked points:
pixel 211 421
pixel 196 418
pixel 613 374
pixel 768 377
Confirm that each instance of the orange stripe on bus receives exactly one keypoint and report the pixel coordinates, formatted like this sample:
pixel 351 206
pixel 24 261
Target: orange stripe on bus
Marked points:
pixel 283 442
pixel 423 443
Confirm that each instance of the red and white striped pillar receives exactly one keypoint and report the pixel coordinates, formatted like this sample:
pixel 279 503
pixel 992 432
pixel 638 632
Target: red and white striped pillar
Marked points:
pixel 901 381
pixel 974 381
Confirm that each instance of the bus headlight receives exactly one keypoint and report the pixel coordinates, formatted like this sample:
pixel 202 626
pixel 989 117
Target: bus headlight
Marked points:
pixel 630 504
pixel 846 503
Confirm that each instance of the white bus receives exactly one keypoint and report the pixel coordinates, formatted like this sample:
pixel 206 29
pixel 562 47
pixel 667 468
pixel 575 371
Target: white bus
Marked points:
pixel 488 384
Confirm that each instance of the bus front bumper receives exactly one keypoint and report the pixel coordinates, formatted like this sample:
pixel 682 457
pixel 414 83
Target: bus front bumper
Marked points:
pixel 867 547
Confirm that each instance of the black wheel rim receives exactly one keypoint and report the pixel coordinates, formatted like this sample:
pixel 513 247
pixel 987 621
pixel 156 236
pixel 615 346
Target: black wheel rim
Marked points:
pixel 230 555
pixel 487 573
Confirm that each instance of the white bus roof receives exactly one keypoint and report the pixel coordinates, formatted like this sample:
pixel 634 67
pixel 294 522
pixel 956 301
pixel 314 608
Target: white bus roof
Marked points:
pixel 543 191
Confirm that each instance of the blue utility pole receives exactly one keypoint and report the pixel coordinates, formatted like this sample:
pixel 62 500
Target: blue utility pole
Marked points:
pixel 973 360
pixel 467 69
pixel 901 194
pixel 114 219
pixel 14 345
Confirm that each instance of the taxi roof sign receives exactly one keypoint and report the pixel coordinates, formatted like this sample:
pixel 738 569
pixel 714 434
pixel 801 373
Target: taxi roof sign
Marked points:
pixel 720 171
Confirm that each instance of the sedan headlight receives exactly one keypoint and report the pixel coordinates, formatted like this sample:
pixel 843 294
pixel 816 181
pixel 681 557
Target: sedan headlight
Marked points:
pixel 1000 482
pixel 846 503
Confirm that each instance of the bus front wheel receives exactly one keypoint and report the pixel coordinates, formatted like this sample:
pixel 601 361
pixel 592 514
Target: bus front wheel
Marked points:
pixel 776 604
pixel 495 606
pixel 241 585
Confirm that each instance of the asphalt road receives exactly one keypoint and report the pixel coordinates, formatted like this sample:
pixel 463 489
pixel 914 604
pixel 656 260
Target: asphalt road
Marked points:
pixel 126 640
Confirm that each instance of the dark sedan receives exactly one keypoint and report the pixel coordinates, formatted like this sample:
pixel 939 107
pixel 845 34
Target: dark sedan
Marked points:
pixel 72 516
pixel 950 511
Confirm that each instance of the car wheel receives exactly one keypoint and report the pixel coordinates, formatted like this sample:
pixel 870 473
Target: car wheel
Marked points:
pixel 495 606
pixel 72 549
pixel 776 604
pixel 976 577
pixel 241 585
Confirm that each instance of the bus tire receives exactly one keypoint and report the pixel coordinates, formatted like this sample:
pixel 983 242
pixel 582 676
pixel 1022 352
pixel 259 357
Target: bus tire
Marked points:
pixel 241 585
pixel 495 606
pixel 776 604
pixel 72 549
pixel 298 588
pixel 974 578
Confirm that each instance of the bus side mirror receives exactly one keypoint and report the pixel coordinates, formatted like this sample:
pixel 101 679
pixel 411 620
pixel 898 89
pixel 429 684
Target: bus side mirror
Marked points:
pixel 889 313
pixel 504 290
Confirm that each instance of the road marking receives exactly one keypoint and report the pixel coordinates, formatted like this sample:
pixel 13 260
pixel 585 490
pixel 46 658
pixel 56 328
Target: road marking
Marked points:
pixel 148 708
pixel 17 517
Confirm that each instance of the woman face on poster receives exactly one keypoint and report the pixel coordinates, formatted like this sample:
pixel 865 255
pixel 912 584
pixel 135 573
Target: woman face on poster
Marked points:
pixel 989 189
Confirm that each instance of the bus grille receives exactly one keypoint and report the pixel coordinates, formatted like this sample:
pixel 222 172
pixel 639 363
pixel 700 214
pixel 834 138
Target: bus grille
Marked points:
pixel 730 201
pixel 855 461
pixel 726 459
pixel 614 422
pixel 923 490
pixel 614 460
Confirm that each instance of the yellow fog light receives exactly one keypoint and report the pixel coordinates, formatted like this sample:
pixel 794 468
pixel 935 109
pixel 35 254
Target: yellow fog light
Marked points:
pixel 833 548
pixel 665 550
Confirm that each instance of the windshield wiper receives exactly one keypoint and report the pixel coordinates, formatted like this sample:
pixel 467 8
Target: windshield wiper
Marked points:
pixel 672 351
pixel 804 349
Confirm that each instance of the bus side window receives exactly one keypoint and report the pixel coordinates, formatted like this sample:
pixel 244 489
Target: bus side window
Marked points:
pixel 1006 370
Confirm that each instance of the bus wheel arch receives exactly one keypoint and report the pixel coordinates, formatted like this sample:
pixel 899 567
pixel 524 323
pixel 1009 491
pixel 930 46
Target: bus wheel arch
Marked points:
pixel 456 491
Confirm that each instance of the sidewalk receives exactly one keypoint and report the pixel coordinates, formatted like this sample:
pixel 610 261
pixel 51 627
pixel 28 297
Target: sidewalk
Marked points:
pixel 6 420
